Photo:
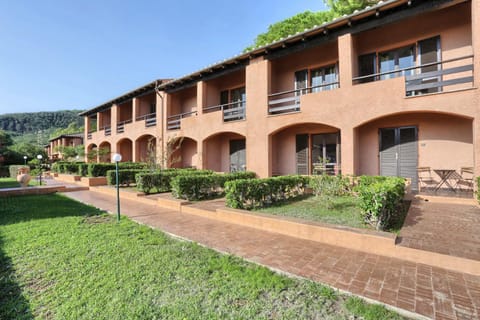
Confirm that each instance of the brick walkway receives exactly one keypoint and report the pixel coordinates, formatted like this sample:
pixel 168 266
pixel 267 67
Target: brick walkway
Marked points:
pixel 451 228
pixel 422 289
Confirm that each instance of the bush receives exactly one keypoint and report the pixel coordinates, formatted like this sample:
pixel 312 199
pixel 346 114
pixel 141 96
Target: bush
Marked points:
pixel 199 187
pixel 380 198
pixel 330 186
pixel 257 193
pixel 83 169
pixel 125 176
pixel 160 181
pixel 4 172
pixel 100 169
pixel 13 169
pixel 478 193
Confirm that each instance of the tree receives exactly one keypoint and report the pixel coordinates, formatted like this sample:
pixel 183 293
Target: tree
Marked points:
pixel 341 7
pixel 72 128
pixel 5 139
pixel 307 20
pixel 290 26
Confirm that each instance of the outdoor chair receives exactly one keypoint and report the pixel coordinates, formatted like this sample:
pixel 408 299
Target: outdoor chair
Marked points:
pixel 425 178
pixel 465 178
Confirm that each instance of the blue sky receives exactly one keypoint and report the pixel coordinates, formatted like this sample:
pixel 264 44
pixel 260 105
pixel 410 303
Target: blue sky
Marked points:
pixel 57 54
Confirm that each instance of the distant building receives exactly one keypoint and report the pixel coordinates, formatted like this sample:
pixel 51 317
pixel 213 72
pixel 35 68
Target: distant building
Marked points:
pixel 53 149
pixel 383 91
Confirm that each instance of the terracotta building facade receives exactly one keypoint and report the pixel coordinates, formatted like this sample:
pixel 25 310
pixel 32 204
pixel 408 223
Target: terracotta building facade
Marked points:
pixel 384 91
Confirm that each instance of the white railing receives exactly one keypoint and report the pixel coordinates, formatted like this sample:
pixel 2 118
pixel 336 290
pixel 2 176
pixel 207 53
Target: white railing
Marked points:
pixel 231 111
pixel 173 122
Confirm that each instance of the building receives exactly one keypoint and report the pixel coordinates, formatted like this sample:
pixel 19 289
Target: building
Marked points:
pixel 386 90
pixel 55 145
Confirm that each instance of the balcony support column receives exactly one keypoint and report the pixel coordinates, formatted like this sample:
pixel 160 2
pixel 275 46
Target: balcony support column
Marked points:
pixel 114 118
pixel 348 148
pixel 258 141
pixel 201 96
pixel 135 108
pixel 347 65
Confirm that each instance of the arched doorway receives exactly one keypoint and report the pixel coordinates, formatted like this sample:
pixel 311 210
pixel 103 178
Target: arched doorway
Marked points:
pixel 399 144
pixel 146 149
pixel 306 148
pixel 225 152
pixel 92 154
pixel 185 155
pixel 104 151
pixel 125 148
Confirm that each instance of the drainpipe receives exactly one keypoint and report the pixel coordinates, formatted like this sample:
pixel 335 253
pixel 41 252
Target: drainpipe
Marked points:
pixel 157 91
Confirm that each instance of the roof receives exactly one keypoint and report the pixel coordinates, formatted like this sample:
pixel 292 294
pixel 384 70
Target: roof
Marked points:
pixel 147 88
pixel 69 135
pixel 327 30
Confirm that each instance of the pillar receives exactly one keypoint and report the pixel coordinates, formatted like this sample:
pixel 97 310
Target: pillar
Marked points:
pixel 346 58
pixel 201 96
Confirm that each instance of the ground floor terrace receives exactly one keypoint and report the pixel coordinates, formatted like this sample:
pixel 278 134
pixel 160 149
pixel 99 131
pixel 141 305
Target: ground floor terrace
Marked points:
pixel 434 150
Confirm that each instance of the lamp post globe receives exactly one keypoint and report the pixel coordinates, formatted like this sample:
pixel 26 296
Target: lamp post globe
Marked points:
pixel 40 157
pixel 25 160
pixel 117 158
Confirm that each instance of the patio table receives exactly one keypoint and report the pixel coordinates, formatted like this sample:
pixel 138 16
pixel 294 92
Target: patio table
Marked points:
pixel 444 175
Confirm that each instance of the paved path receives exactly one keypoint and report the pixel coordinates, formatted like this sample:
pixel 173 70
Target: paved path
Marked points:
pixel 451 228
pixel 426 290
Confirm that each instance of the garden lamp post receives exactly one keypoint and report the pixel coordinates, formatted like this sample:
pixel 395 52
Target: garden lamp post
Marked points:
pixel 25 160
pixel 39 157
pixel 117 158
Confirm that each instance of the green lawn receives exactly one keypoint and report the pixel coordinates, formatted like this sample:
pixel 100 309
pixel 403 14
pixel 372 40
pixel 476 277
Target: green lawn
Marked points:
pixel 12 183
pixel 340 210
pixel 65 260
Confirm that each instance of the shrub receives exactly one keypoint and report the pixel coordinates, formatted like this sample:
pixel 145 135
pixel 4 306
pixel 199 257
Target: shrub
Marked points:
pixel 125 176
pixel 199 187
pixel 13 169
pixel 257 193
pixel 160 181
pixel 83 169
pixel 4 172
pixel 380 199
pixel 100 169
pixel 330 186
pixel 478 193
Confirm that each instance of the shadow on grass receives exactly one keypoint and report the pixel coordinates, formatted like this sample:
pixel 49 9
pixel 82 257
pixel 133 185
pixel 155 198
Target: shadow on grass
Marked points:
pixel 16 209
pixel 13 304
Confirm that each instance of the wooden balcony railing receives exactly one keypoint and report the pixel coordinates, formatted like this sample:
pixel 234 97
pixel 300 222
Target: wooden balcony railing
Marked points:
pixel 231 111
pixel 289 101
pixel 150 119
pixel 107 130
pixel 442 76
pixel 173 122
pixel 121 125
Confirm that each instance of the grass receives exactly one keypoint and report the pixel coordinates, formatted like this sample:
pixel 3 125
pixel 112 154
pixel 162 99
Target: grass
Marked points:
pixel 12 183
pixel 342 210
pixel 65 260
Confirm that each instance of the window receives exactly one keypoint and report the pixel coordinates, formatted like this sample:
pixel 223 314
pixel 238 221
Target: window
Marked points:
pixel 233 104
pixel 324 79
pixel 369 65
pixel 397 59
pixel 321 79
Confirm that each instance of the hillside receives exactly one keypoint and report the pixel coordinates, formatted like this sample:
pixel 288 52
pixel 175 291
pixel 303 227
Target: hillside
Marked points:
pixel 36 127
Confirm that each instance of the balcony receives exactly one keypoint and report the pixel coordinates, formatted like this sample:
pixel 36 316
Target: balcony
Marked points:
pixel 121 125
pixel 232 111
pixel 173 122
pixel 89 136
pixel 437 77
pixel 107 130
pixel 289 101
pixel 150 119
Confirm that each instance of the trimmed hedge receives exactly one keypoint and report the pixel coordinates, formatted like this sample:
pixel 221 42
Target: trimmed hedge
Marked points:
pixel 199 187
pixel 380 198
pixel 100 169
pixel 478 193
pixel 257 193
pixel 67 167
pixel 13 169
pixel 4 172
pixel 160 181
pixel 125 176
